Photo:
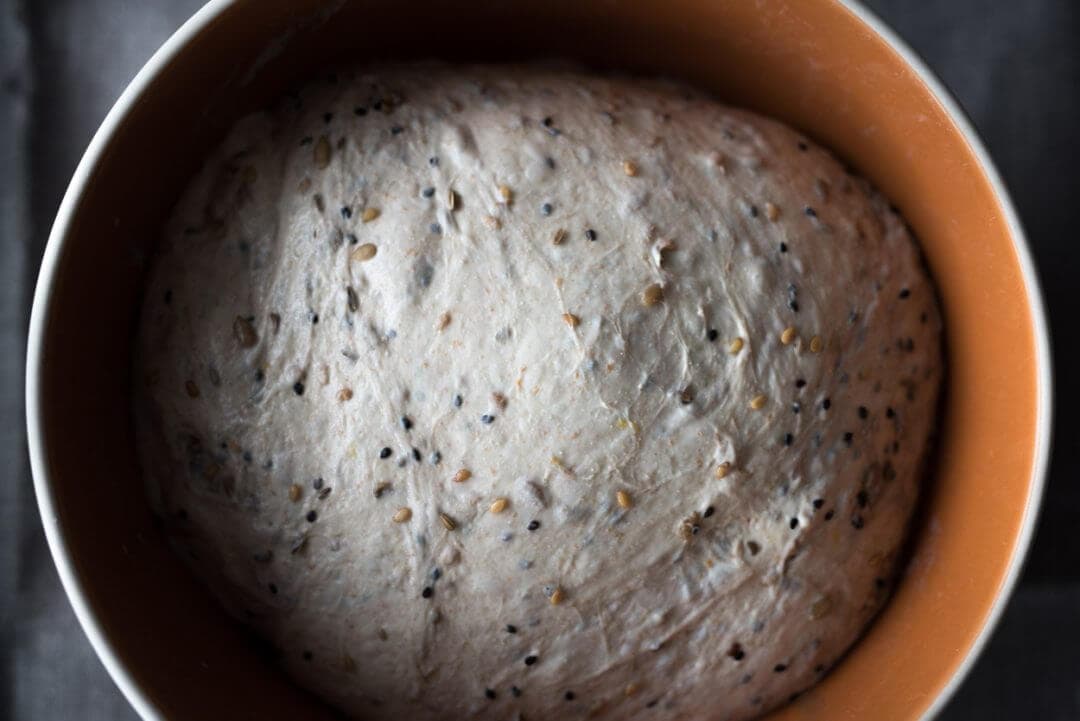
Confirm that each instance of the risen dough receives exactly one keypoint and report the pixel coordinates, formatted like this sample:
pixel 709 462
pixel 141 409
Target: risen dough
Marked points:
pixel 483 391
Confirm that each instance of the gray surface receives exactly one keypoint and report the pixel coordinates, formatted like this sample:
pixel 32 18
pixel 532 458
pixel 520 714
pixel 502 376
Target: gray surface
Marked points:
pixel 1014 66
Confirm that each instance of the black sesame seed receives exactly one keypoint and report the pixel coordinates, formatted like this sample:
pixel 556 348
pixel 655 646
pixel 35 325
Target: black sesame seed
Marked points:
pixel 590 234
pixel 818 502
pixel 546 209
pixel 487 419
pixel 353 240
pixel 780 667
pixel 530 660
pixel 904 293
pixel 569 695
pixel 803 146
pixel 820 668
pixel 829 515
pixel 826 404
pixel 259 376
pixel 435 228
pixel 312 516
pixel 396 130
pixel 736 652
pixel 848 438
pixel 862 498
pixel 515 691
pixel 547 121
pixel 377 105
pixel 435 458
pixel 857 522
pixel 795 408
pixel 800 383
pixel 428 592
pixel 533 525
pixel 783 247
pixel 793 523
pixel 889 412
pixel 652 704
pixel 458 400
pixel 346 212
pixel 359 111
pixel 550 162
pixel 385 452
pixel 416 454
pixel 427 192
pixel 317 484
pixel 406 422
pixel 788 439
pixel 810 212
pixel 247 457
pixel 511 628
pixel 433 161
pixel 712 334
pixel 273 588
pixel 863 412
pixel 298 388
pixel 314 318
pixel 490 693
pixel 708 512
pixel 753 211
pixel 793 304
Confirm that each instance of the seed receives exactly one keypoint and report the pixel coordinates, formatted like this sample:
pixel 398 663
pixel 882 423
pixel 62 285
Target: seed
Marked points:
pixel 403 514
pixel 499 505
pixel 630 168
pixel 463 475
pixel 295 491
pixel 321 153
pixel 364 252
pixel 816 344
pixel 758 402
pixel 345 394
pixel 447 521
pixel 499 400
pixel 451 199
pixel 557 597
pixel 444 320
pixel 506 194
pixel 492 222
pixel 590 234
pixel 369 214
pixel 571 320
pixel 788 335
pixel 192 389
pixel 653 294
pixel 244 332
pixel 631 689
pixel 686 396
pixel 771 211
pixel 559 237
pixel 623 499
pixel 381 488
pixel 735 346
pixel 723 469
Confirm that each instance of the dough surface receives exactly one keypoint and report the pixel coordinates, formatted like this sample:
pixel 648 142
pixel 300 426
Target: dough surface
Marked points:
pixel 493 390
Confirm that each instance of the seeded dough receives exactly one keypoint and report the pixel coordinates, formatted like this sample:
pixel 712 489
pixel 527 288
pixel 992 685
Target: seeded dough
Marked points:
pixel 485 391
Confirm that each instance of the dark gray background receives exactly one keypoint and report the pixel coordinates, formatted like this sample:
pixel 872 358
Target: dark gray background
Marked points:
pixel 1015 67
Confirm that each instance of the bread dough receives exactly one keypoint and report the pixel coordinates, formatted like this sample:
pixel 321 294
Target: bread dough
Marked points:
pixel 493 390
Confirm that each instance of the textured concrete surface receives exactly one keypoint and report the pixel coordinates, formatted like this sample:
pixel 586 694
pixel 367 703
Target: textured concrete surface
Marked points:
pixel 1014 66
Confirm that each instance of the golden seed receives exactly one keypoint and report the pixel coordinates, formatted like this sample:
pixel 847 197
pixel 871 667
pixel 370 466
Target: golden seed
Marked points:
pixel 557 597
pixel 624 500
pixel 364 252
pixel 723 469
pixel 294 492
pixel 463 475
pixel 492 222
pixel 451 199
pixel 571 320
pixel 444 320
pixel 788 335
pixel 447 521
pixel 816 344
pixel 499 505
pixel 630 168
pixel 735 346
pixel 653 294
pixel 244 332
pixel 499 399
pixel 771 211
pixel 192 389
pixel 321 153
pixel 821 607
pixel 403 514
pixel 369 214
pixel 345 394
pixel 758 402
pixel 506 194
pixel 560 236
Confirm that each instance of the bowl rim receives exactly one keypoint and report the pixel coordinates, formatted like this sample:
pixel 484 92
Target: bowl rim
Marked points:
pixel 212 10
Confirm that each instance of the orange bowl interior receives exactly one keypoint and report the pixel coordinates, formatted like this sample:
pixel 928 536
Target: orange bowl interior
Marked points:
pixel 811 63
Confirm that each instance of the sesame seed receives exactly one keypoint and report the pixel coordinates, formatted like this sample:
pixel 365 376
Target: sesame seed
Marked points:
pixel 244 332
pixel 794 523
pixel 492 222
pixel 736 652
pixel 451 200
pixel 192 389
pixel 531 660
pixel 569 695
pixel 771 211
pixel 857 522
pixel 557 597
pixel 533 525
pixel 559 237
pixel 590 234
pixel 546 209
pixel 723 469
pixel 818 502
pixel 298 388
pixel 780 667
pixel 904 293
pixel 443 321
pixel 652 295
pixel 406 423
pixel 505 194
pixel 321 152
pixel 708 512
pixel 848 438
pixel 403 514
pixel 463 475
pixel 447 522
pixel 758 402
pixel 364 252
pixel 312 516
pixel 428 592
pixel 712 334
pixel 458 400
pixel 783 247
pixel 623 499
pixel 346 212
pixel 788 439
pixel 385 452
pixel 515 692
pixel 630 168
pixel 427 192
pixel 416 454
pixel 735 346
pixel 511 628
pixel 295 491
pixel 487 419
pixel 863 412
pixel 788 335
pixel 829 515
pixel 800 383
pixel 810 212
pixel 816 344
pixel 490 694
pixel 499 505
pixel 369 214
pixel 571 320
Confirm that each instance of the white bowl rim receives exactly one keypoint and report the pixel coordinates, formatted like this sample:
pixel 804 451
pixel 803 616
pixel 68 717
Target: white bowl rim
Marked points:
pixel 213 9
